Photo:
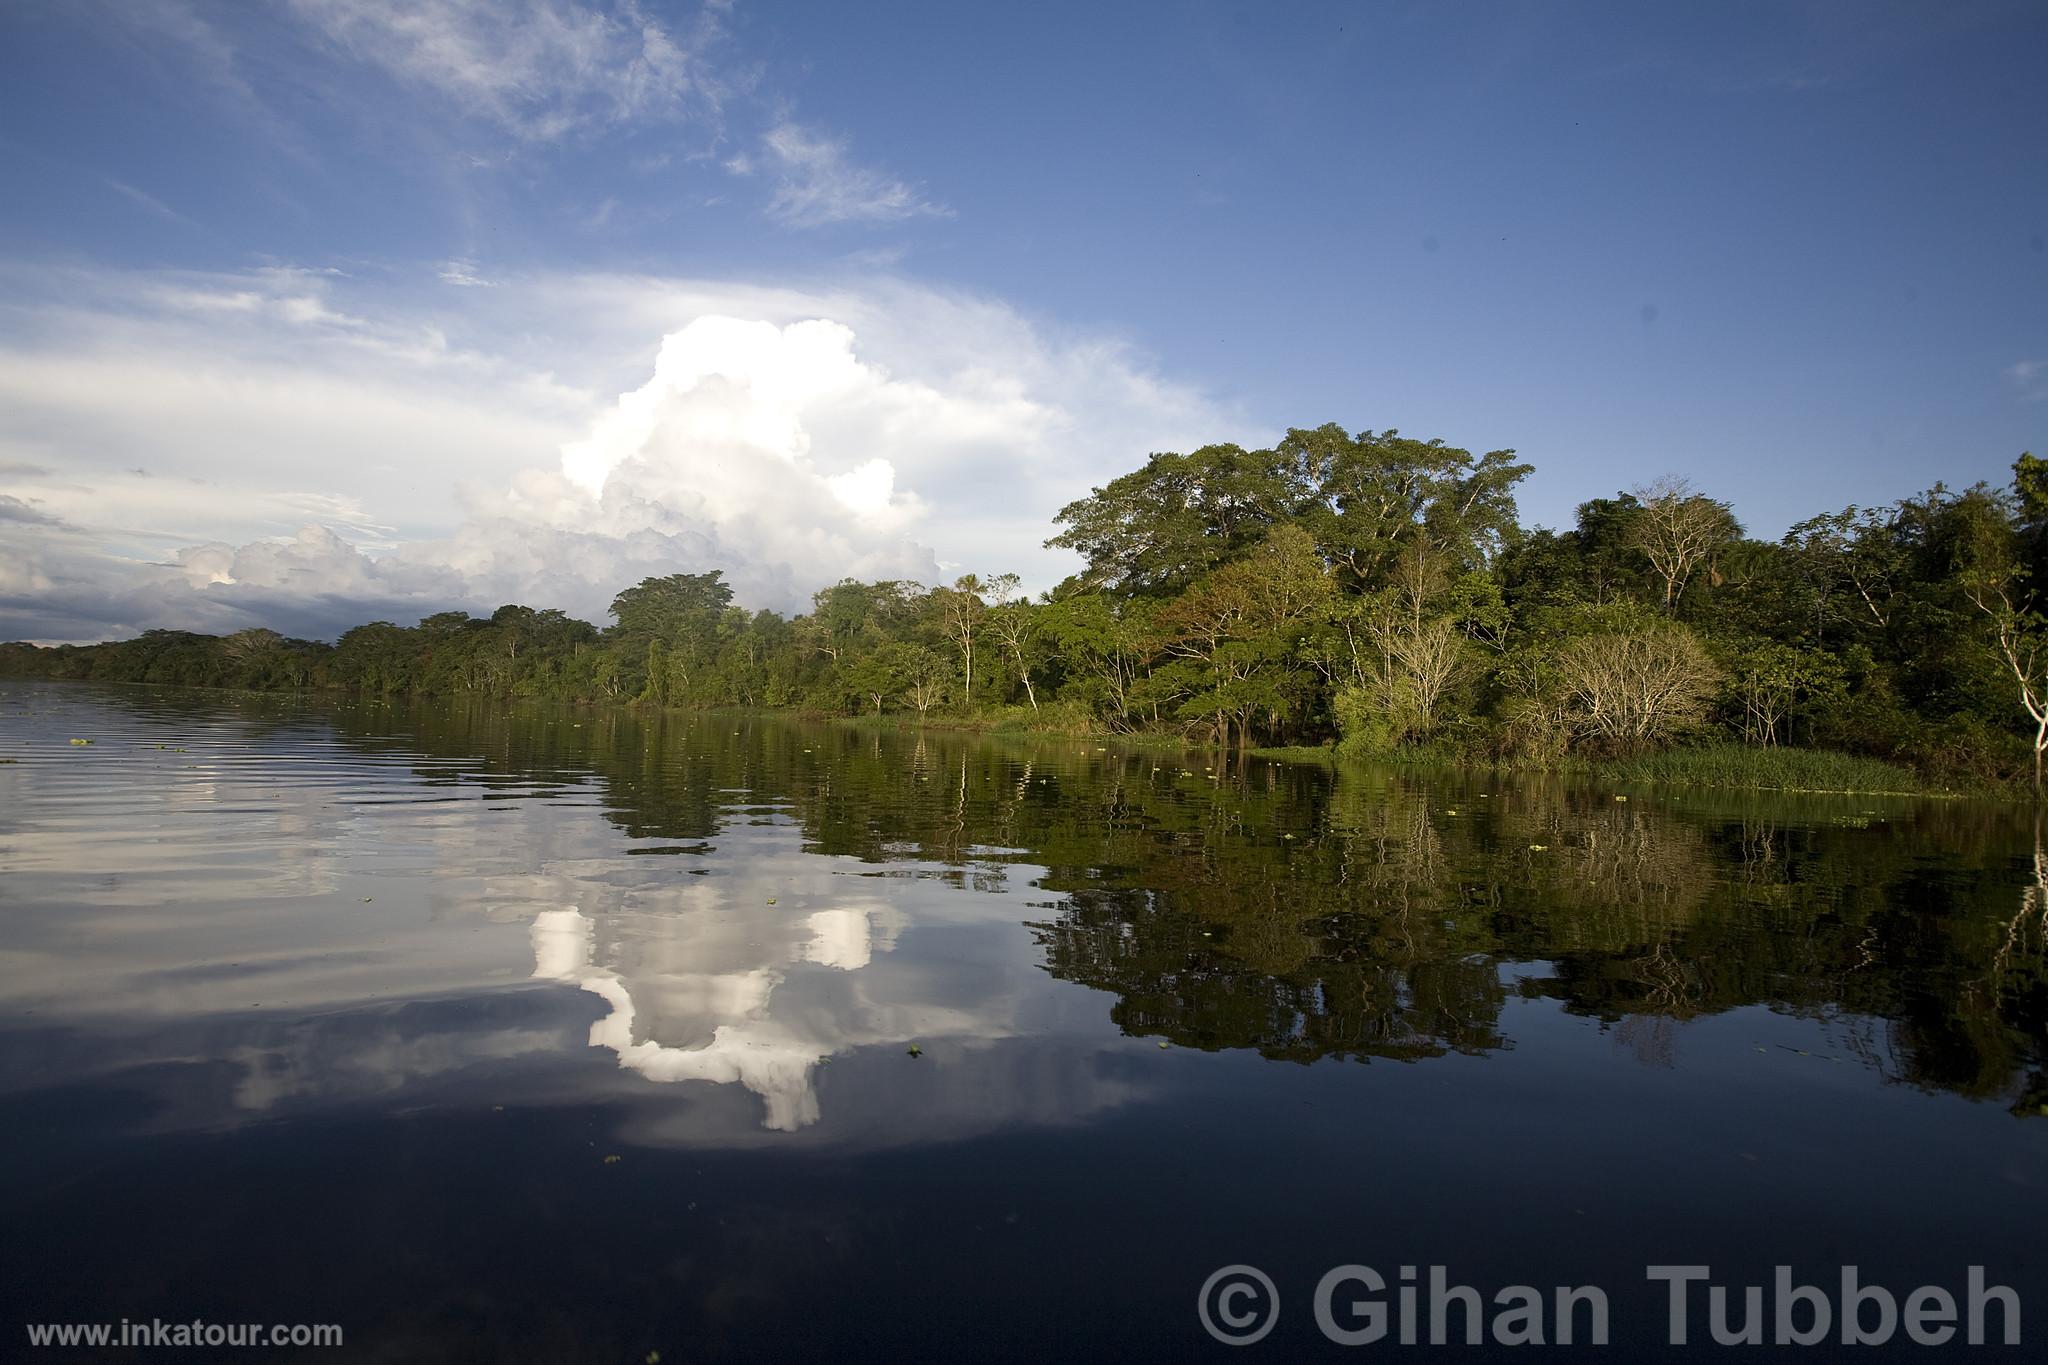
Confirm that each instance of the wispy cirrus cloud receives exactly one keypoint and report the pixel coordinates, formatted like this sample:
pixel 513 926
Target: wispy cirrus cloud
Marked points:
pixel 819 183
pixel 535 78
pixel 539 69
pixel 463 275
pixel 148 201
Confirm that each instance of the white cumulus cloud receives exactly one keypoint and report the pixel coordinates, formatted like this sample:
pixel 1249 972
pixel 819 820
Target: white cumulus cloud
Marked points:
pixel 308 451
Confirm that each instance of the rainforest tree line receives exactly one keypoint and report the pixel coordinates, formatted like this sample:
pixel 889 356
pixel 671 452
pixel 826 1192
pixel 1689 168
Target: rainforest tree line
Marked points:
pixel 1368 590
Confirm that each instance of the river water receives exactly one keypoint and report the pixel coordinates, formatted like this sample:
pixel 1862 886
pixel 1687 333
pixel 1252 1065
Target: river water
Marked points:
pixel 516 1032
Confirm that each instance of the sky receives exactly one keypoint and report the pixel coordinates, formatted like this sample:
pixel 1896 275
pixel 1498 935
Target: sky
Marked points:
pixel 325 311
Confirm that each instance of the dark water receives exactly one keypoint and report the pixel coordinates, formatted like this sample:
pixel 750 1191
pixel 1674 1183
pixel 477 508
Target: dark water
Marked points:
pixel 574 1035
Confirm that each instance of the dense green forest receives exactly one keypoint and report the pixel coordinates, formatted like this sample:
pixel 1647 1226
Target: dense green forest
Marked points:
pixel 1371 591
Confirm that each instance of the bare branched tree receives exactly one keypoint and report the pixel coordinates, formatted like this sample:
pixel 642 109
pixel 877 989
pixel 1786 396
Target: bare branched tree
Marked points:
pixel 1678 530
pixel 961 613
pixel 2021 634
pixel 1423 650
pixel 1014 626
pixel 1634 687
pixel 925 679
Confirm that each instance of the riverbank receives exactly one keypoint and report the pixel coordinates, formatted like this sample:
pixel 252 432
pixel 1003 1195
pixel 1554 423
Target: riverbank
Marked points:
pixel 1724 765
pixel 1734 766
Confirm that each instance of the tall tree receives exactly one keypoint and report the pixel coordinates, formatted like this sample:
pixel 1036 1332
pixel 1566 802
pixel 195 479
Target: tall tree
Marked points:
pixel 1997 554
pixel 1155 530
pixel 670 607
pixel 1679 530
pixel 1235 631
pixel 1366 498
pixel 1015 627
pixel 674 623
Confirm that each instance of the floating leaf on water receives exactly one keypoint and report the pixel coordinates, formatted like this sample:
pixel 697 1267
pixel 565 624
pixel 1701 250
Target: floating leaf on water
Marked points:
pixel 1538 848
pixel 81 741
pixel 1162 1047
pixel 771 900
pixel 914 1050
pixel 612 1160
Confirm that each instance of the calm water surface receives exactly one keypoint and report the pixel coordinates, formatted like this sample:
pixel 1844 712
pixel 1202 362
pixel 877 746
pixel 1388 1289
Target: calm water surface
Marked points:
pixel 552 1034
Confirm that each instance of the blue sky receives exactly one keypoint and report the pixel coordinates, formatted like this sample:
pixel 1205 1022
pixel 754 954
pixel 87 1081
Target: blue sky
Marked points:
pixel 305 301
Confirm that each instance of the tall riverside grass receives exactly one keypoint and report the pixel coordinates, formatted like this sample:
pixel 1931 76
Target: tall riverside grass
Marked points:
pixel 1740 765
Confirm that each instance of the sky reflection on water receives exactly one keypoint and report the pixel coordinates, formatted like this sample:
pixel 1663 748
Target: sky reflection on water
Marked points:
pixel 484 943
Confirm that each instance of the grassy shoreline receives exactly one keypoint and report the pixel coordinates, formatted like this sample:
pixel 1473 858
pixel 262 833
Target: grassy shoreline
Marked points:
pixel 1723 765
pixel 1774 769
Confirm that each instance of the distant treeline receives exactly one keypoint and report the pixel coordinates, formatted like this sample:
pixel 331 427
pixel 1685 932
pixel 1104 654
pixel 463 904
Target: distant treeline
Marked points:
pixel 1369 590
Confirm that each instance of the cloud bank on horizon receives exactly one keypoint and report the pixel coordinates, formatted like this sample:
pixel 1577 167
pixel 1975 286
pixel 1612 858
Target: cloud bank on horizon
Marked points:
pixel 298 450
